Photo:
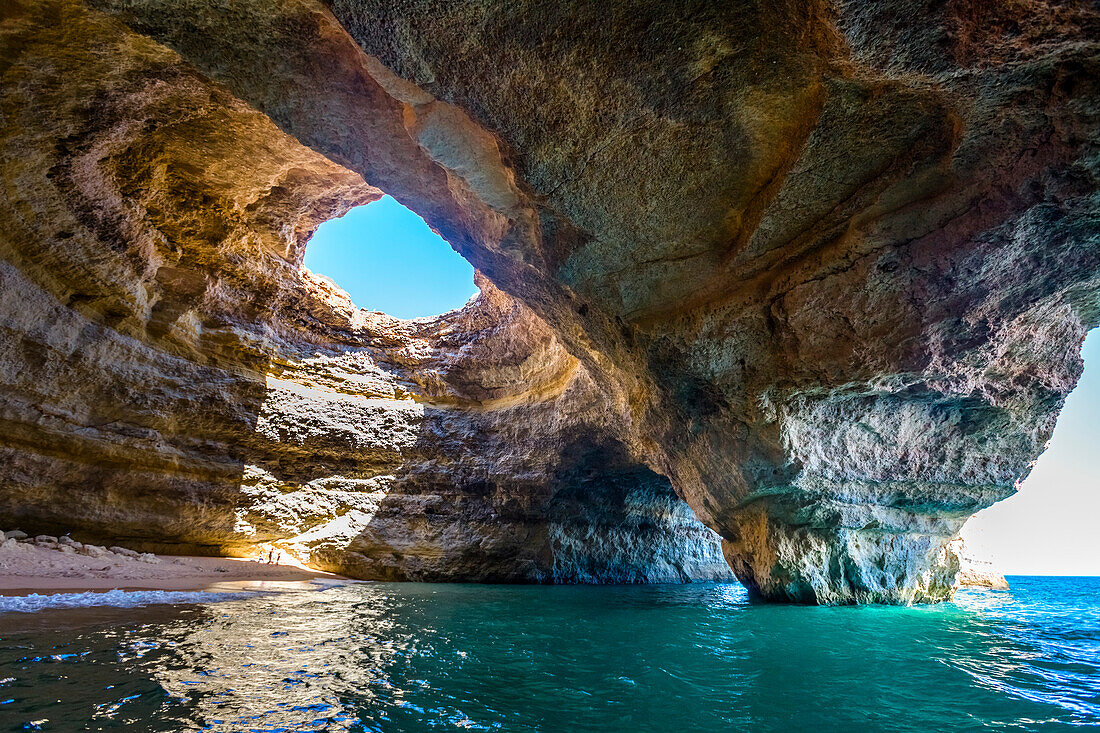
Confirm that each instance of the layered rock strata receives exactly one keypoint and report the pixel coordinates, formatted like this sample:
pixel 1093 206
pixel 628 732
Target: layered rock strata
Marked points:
pixel 819 270
pixel 173 380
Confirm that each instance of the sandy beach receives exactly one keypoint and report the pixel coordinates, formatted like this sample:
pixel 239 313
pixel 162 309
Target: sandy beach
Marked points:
pixel 27 567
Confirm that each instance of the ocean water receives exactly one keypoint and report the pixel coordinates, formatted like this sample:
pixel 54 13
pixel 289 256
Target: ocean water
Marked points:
pixel 412 657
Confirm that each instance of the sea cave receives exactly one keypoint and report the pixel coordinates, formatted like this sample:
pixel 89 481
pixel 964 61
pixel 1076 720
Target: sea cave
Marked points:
pixel 781 292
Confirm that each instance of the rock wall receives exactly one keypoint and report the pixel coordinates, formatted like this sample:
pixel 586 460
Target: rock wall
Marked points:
pixel 821 270
pixel 171 379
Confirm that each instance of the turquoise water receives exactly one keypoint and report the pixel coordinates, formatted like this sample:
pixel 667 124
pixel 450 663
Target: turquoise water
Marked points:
pixel 411 657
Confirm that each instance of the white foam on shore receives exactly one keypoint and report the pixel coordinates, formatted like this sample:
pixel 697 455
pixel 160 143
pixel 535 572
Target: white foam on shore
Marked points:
pixel 119 598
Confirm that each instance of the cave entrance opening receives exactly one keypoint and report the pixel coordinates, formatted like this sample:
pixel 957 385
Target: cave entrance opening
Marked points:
pixel 1049 526
pixel 388 259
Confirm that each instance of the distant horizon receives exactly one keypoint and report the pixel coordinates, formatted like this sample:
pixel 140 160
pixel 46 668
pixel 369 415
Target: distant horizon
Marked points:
pixel 1047 575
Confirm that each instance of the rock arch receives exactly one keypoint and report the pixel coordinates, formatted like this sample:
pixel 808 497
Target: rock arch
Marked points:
pixel 825 283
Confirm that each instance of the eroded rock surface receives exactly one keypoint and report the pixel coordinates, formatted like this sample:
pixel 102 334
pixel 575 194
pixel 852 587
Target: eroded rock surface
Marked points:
pixel 821 271
pixel 173 380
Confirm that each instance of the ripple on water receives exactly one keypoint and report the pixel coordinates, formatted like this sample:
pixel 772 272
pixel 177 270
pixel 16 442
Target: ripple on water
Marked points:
pixel 407 657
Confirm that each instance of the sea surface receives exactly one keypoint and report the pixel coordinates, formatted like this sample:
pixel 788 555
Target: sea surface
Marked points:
pixel 413 657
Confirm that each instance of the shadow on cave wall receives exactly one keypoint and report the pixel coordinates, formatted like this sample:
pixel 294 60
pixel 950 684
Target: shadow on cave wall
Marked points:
pixel 614 520
pixel 114 439
pixel 473 498
pixel 141 258
pixel 137 220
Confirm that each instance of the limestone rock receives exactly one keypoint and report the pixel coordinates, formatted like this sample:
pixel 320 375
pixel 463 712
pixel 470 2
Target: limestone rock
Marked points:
pixel 977 567
pixel 92 551
pixel 817 271
pixel 981 577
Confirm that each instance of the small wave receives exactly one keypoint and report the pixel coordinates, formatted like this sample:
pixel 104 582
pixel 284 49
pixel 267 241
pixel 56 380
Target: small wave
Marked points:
pixel 119 598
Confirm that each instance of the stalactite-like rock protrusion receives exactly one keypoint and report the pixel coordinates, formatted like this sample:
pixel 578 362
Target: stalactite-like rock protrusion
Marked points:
pixel 821 271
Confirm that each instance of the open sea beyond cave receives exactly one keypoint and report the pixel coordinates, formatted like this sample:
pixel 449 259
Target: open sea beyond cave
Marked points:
pixel 414 657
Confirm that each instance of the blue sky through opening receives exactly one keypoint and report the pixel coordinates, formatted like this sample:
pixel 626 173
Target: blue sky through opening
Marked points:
pixel 1049 526
pixel 389 260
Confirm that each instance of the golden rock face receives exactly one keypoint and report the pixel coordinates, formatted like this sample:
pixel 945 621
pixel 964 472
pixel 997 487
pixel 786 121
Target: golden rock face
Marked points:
pixel 825 285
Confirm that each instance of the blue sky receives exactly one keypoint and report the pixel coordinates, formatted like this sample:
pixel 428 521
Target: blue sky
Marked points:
pixel 389 260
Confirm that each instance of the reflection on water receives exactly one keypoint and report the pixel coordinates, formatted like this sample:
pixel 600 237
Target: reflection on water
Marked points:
pixel 405 657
